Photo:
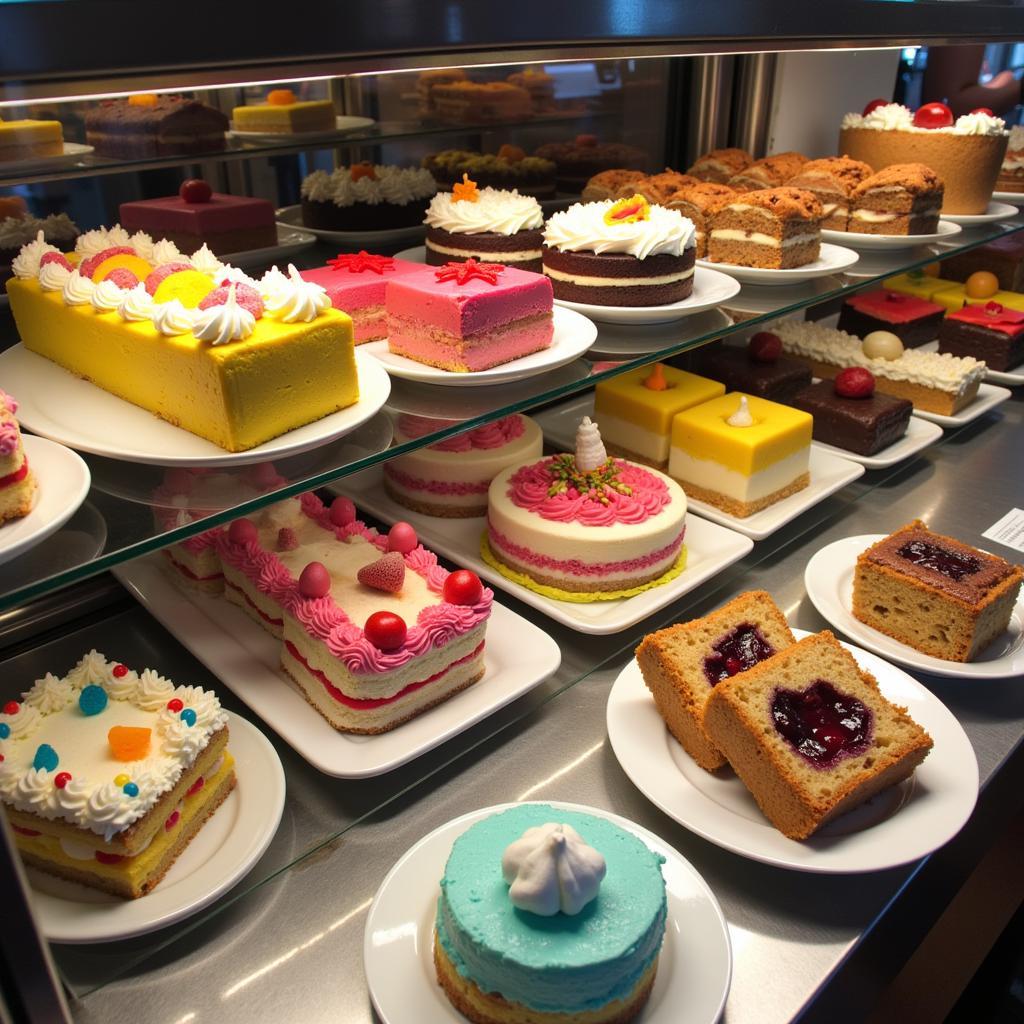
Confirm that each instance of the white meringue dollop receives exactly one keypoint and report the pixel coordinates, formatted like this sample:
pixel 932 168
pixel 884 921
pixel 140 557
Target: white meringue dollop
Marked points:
pixel 172 318
pixel 77 289
pixel 26 264
pixel 296 300
pixel 227 322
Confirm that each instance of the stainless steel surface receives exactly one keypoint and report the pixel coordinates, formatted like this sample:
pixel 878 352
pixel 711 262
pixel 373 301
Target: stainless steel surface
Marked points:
pixel 710 98
pixel 292 949
pixel 752 102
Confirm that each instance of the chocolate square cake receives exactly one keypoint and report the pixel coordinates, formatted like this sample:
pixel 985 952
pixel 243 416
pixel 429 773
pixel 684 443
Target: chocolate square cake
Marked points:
pixel 989 332
pixel 148 125
pixel 1004 257
pixel 739 369
pixel 914 321
pixel 860 425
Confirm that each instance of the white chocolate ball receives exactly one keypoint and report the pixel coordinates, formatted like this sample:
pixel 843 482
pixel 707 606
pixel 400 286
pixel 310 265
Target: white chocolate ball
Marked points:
pixel 882 345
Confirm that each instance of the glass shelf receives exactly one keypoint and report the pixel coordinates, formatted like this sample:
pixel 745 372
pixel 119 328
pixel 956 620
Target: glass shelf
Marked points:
pixel 125 515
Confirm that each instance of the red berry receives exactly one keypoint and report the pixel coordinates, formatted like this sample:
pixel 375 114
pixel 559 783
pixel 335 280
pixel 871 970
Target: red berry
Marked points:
pixel 195 190
pixel 120 671
pixel 463 587
pixel 1 757
pixel 175 705
pixel 196 786
pixel 402 538
pixel 933 115
pixel 983 110
pixel 315 580
pixel 172 820
pixel 854 382
pixel 108 858
pixel 385 630
pixel 12 707
pixel 243 531
pixel 764 347
pixel 342 512
pixel 62 779
pixel 387 573
pixel 874 104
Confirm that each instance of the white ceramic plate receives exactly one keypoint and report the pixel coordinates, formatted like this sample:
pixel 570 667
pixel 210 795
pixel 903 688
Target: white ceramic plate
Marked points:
pixel 291 217
pixel 898 826
pixel 829 473
pixel 920 434
pixel 833 259
pixel 573 335
pixel 1014 198
pixel 219 856
pixel 73 153
pixel 755 300
pixel 996 211
pixel 1012 379
pixel 694 970
pixel 75 412
pixel 246 659
pixel 62 480
pixel 290 242
pixel 988 397
pixel 710 549
pixel 622 341
pixel 856 240
pixel 343 125
pixel 829 582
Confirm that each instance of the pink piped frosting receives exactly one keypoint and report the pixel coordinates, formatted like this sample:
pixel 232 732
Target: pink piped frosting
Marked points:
pixel 414 483
pixel 8 402
pixel 485 438
pixel 8 437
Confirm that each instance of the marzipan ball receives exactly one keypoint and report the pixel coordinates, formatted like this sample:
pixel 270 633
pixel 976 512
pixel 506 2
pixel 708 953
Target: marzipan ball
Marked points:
pixel 882 345
pixel 982 284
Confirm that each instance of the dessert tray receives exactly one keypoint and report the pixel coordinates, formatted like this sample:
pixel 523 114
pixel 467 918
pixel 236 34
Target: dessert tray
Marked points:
pixel 710 289
pixel 246 658
pixel 710 549
pixel 65 408
pixel 920 435
pixel 996 211
pixel 291 217
pixel 620 341
pixel 988 397
pixel 343 126
pixel 223 851
pixel 833 259
pixel 898 826
pixel 829 473
pixel 73 153
pixel 829 582
pixel 856 240
pixel 290 242
pixel 1011 378
pixel 694 970
pixel 573 335
pixel 63 482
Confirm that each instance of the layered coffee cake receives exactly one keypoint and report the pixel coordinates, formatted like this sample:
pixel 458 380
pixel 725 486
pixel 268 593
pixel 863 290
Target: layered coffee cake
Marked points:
pixel 903 199
pixel 773 228
pixel 720 164
pixel 610 184
pixel 768 172
pixel 697 203
pixel 832 180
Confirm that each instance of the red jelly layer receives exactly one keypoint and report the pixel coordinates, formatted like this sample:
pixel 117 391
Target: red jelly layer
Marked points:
pixel 737 651
pixel 895 307
pixel 822 724
pixel 16 477
pixel 249 601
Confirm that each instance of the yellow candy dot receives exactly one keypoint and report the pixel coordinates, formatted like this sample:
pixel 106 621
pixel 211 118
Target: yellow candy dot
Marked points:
pixel 122 779
pixel 190 287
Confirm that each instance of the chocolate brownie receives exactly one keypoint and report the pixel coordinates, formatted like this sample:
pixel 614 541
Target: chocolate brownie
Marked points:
pixel 914 321
pixel 989 332
pixel 778 381
pixel 860 425
pixel 147 125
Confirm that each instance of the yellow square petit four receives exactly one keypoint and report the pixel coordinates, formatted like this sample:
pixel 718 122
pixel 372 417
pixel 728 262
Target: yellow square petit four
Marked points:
pixel 921 286
pixel 285 113
pixel 22 140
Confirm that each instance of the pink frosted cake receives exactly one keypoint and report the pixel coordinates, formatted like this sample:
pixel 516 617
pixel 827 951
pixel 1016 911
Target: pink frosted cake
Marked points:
pixel 451 478
pixel 469 316
pixel 17 481
pixel 585 527
pixel 355 283
pixel 374 631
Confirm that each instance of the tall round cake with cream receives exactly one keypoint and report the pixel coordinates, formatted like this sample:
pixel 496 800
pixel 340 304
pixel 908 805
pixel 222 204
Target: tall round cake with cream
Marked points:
pixel 451 478
pixel 585 527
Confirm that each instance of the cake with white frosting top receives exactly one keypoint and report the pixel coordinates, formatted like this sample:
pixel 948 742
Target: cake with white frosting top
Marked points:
pixel 366 197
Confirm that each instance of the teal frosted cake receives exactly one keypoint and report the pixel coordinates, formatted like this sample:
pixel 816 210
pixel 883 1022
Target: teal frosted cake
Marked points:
pixel 549 916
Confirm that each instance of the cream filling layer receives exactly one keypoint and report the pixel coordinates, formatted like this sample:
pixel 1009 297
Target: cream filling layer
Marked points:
pixel 646 443
pixel 616 282
pixel 882 217
pixel 493 255
pixel 757 238
pixel 436 499
pixel 713 476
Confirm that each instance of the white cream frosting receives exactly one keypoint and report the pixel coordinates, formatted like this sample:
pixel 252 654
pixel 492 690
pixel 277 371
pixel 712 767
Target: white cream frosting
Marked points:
pixel 142 243
pixel 166 251
pixel 204 260
pixel 107 296
pixel 896 117
pixel 590 449
pixel 50 694
pixel 227 322
pixel 296 300
pixel 26 264
pixel 582 228
pixel 92 242
pixel 136 305
pixel 1016 137
pixel 552 869
pixel 496 210
pixel 397 185
pixel 77 289
pixel 53 277
pixel 172 318
pixel 18 231
pixel 234 275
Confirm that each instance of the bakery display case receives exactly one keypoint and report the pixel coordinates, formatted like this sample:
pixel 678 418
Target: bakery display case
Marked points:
pixel 318 152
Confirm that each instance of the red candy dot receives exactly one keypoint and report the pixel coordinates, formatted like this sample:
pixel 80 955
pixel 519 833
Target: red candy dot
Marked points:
pixel 1 757
pixel 385 630
pixel 196 786
pixel 933 115
pixel 108 858
pixel 874 104
pixel 172 820
pixel 342 512
pixel 120 671
pixel 195 190
pixel 11 707
pixel 62 779
pixel 315 580
pixel 977 110
pixel 463 587
pixel 174 705
pixel 402 538
pixel 243 531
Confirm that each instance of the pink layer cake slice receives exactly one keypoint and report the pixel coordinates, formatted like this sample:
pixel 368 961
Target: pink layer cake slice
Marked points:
pixel 374 631
pixel 355 284
pixel 469 316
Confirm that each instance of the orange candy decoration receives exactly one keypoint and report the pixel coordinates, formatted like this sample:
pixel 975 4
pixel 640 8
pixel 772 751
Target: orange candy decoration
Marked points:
pixel 143 99
pixel 465 190
pixel 363 170
pixel 513 154
pixel 628 211
pixel 656 380
pixel 982 284
pixel 129 742
pixel 281 97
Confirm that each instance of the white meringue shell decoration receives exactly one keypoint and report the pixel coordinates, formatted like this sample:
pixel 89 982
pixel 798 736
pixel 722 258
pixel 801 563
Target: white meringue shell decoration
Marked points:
pixel 550 868
pixel 742 417
pixel 590 450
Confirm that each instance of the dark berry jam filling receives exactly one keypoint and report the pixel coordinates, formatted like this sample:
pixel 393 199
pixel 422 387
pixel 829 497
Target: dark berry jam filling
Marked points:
pixel 950 563
pixel 821 723
pixel 739 650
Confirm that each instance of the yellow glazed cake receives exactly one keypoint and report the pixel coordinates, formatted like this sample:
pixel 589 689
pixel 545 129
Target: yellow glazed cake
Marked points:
pixel 196 342
pixel 24 140
pixel 635 409
pixel 284 113
pixel 741 453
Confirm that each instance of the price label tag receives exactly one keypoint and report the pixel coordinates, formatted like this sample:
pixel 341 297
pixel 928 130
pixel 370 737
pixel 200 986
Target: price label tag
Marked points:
pixel 1009 530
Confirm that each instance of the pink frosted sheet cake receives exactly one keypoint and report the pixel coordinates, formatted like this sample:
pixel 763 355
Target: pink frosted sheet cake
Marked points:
pixel 450 479
pixel 373 630
pixel 355 284
pixel 469 316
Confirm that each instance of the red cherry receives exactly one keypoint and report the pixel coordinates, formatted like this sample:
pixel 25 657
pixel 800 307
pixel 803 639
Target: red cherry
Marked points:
pixel 62 779
pixel 343 512
pixel 174 705
pixel 195 190
pixel 385 630
pixel 108 858
pixel 873 105
pixel 983 110
pixel 402 538
pixel 463 587
pixel 764 347
pixel 243 531
pixel 315 580
pixel 12 707
pixel 119 671
pixel 933 115
pixel 854 382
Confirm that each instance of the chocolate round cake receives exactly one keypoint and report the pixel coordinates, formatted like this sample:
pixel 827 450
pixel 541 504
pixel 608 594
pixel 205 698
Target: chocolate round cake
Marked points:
pixel 366 197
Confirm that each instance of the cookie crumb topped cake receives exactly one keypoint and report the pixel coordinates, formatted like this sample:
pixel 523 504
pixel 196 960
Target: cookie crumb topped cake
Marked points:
pixel 902 199
pixel 934 593
pixel 697 203
pixel 17 481
pixel 107 773
pixel 720 164
pixel 832 179
pixel 774 228
pixel 768 172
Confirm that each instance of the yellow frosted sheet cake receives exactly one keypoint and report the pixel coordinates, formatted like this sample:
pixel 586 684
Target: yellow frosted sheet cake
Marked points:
pixel 25 140
pixel 284 112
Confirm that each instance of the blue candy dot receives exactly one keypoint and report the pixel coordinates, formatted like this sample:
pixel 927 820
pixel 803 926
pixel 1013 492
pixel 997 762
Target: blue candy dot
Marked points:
pixel 130 789
pixel 46 757
pixel 92 700
pixel 188 716
pixel 5 730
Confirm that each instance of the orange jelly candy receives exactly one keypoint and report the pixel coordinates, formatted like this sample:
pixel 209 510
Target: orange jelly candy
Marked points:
pixel 628 211
pixel 143 99
pixel 129 742
pixel 124 261
pixel 513 154
pixel 281 97
pixel 363 170
pixel 656 380
pixel 465 190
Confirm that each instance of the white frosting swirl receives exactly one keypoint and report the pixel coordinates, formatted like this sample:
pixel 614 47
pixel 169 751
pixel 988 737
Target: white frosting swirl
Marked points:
pixel 236 276
pixel 26 264
pixel 34 792
pixel 205 261
pixel 50 694
pixel 118 236
pixel 120 687
pixel 582 228
pixel 590 449
pixel 165 251
pixel 495 210
pixel 741 417
pixel 896 117
pixel 91 668
pixel 92 242
pixel 226 322
pixel 181 740
pixel 172 318
pixel 77 289
pixel 107 296
pixel 73 799
pixel 136 305
pixel 979 124
pixel 22 723
pixel 53 276
pixel 271 282
pixel 153 690
pixel 297 300
pixel 143 245
pixel 397 185
pixel 109 810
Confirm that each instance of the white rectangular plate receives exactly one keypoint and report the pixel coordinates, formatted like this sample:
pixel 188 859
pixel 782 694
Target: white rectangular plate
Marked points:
pixel 709 550
pixel 989 396
pixel 246 659
pixel 920 434
pixel 829 473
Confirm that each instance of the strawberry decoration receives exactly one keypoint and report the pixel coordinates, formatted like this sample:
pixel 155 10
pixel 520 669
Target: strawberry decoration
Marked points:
pixel 122 277
pixel 462 273
pixel 245 295
pixel 243 531
pixel 358 262
pixel 195 190
pixel 385 630
pixel 764 347
pixel 854 382
pixel 387 574
pixel 933 115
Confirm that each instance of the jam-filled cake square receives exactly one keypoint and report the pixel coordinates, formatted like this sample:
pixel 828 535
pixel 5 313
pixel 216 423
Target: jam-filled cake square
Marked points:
pixel 989 332
pixel 934 593
pixel 914 321
pixel 811 736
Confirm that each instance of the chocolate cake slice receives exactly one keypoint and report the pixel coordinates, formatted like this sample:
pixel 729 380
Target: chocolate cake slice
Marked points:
pixel 914 321
pixel 991 333
pixel 739 369
pixel 148 125
pixel 860 425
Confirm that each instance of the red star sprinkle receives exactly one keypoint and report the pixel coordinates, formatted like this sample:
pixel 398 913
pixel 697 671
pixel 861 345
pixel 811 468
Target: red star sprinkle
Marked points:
pixel 357 262
pixel 461 273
